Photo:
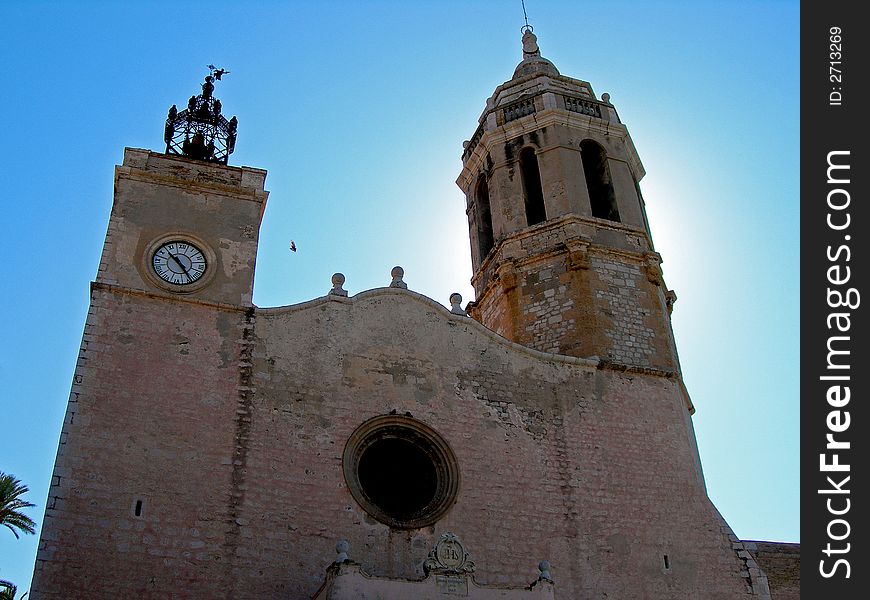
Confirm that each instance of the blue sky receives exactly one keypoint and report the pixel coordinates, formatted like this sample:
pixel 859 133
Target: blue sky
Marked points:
pixel 358 111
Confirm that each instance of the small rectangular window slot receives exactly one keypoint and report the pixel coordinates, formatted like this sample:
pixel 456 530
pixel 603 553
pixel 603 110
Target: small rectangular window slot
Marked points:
pixel 138 508
pixel 667 562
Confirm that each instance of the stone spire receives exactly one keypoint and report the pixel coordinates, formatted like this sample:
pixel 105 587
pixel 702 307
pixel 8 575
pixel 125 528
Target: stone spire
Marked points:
pixel 530 43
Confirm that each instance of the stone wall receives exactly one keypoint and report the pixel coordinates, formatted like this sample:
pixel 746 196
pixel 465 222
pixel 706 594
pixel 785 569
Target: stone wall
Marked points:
pixel 782 565
pixel 230 427
pixel 557 288
pixel 590 468
pixel 151 421
pixel 159 196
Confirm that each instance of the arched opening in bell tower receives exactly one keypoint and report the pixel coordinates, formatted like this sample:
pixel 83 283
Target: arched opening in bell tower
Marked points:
pixel 484 218
pixel 598 181
pixel 535 210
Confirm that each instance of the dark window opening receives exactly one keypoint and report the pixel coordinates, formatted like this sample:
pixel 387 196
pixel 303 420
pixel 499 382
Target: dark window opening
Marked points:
pixel 667 562
pixel 535 210
pixel 137 511
pixel 398 477
pixel 484 218
pixel 598 181
pixel 400 471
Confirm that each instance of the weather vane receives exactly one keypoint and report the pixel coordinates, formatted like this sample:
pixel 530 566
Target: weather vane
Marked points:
pixel 217 73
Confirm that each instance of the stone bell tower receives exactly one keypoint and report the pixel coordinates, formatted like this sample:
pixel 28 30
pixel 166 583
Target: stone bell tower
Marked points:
pixel 561 249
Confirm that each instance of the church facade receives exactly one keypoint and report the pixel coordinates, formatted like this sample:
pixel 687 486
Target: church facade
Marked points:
pixel 536 443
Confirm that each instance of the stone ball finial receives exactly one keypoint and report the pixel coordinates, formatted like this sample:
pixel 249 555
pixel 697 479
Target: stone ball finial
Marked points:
pixel 544 568
pixel 341 547
pixel 605 97
pixel 397 274
pixel 455 301
pixel 337 282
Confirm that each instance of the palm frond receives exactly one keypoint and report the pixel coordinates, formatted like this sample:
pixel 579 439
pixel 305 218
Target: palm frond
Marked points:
pixel 11 506
pixel 7 590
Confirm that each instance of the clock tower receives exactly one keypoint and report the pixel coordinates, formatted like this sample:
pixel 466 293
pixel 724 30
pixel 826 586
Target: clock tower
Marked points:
pixel 163 236
pixel 161 388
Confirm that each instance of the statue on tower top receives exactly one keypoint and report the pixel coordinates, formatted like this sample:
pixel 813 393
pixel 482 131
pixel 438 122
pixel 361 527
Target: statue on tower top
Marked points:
pixel 200 131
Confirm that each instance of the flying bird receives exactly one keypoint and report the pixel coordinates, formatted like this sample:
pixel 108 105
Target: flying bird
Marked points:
pixel 292 246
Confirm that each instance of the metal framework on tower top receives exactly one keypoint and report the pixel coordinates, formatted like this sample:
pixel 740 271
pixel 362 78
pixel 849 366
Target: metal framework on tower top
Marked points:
pixel 200 131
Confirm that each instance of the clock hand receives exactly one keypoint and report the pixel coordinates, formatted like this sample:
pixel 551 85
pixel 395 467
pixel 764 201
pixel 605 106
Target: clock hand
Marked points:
pixel 178 262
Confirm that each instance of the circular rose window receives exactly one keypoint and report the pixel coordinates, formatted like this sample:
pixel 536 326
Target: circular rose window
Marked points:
pixel 400 471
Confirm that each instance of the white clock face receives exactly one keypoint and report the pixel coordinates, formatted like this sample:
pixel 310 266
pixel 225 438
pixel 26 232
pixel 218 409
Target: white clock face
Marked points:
pixel 179 262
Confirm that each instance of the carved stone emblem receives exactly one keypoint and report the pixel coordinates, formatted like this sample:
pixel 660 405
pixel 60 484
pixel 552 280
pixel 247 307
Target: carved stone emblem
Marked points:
pixel 448 556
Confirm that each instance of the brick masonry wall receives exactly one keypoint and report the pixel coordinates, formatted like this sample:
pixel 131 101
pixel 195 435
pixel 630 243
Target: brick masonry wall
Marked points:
pixel 151 418
pixel 592 469
pixel 595 303
pixel 782 565
pixel 157 195
pixel 230 426
pixel 625 299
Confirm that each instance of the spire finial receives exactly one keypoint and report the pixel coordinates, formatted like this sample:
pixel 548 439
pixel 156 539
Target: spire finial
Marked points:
pixel 530 40
pixel 530 43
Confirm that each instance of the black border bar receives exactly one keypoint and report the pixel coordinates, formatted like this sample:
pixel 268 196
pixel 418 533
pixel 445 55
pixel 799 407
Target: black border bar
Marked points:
pixel 835 300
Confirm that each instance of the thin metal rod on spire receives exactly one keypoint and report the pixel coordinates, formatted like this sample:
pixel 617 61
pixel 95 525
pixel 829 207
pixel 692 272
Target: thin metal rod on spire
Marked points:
pixel 525 16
